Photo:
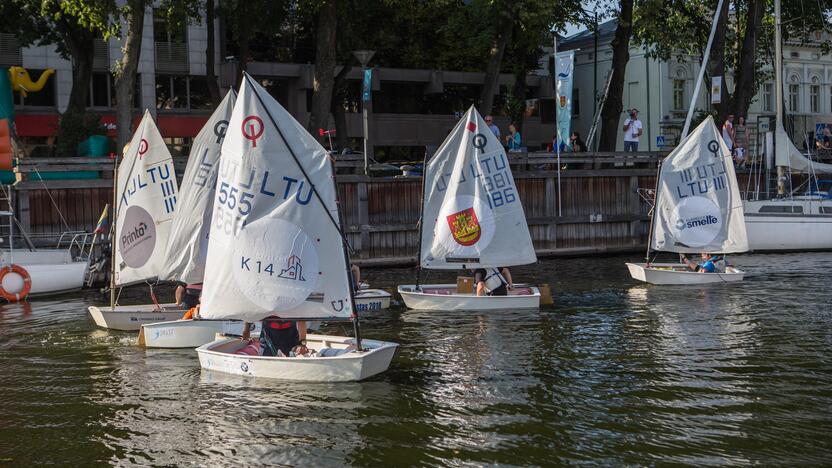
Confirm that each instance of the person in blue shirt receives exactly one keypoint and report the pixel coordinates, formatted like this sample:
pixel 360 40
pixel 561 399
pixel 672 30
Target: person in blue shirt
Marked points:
pixel 513 138
pixel 706 265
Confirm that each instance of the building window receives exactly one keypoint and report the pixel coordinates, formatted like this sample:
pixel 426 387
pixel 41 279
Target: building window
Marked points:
pixel 814 97
pixel 678 94
pixel 768 97
pixel 102 91
pixel 46 97
pixel 794 96
pixel 182 92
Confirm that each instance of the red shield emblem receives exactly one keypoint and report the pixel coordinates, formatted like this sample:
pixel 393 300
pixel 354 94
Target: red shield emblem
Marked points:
pixel 465 227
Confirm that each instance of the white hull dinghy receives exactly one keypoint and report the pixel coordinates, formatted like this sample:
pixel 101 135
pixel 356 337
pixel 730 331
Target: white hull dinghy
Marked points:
pixel 681 274
pixel 190 333
pixel 472 218
pixel 698 209
pixel 132 317
pixel 279 251
pixel 346 364
pixel 369 300
pixel 446 297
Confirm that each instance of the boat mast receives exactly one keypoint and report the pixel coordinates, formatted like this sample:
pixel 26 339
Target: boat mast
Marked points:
pixel 114 236
pixel 778 86
pixel 701 77
pixel 421 221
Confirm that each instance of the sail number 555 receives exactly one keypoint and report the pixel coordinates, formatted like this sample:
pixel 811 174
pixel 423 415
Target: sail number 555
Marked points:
pixel 232 197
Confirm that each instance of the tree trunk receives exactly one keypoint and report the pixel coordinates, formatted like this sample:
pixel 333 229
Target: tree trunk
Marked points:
pixel 492 71
pixel 614 103
pixel 746 70
pixel 210 52
pixel 518 93
pixel 243 38
pixel 339 94
pixel 324 67
pixel 80 44
pixel 716 62
pixel 128 65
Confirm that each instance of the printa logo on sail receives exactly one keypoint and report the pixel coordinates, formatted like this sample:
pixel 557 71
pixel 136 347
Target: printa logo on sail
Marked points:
pixel 465 227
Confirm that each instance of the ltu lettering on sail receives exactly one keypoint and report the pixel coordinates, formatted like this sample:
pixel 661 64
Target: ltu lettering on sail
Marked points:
pixel 294 269
pixel 706 220
pixel 700 187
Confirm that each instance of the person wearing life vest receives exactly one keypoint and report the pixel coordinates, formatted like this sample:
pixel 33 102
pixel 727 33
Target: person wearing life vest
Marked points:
pixel 188 294
pixel 708 264
pixel 280 337
pixel 493 281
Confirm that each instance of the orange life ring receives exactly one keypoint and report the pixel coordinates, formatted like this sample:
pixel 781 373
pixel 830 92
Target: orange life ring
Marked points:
pixel 27 283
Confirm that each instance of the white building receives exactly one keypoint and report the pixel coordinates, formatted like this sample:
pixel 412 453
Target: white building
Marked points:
pixel 662 90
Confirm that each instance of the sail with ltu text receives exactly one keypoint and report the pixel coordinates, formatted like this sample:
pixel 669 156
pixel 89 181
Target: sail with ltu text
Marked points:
pixel 472 215
pixel 188 242
pixel 275 247
pixel 698 205
pixel 146 201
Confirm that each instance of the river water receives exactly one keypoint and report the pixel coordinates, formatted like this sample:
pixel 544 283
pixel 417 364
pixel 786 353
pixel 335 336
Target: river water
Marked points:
pixel 616 372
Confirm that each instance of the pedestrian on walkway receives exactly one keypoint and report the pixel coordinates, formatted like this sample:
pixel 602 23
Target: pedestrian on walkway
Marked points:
pixel 494 128
pixel 632 131
pixel 728 133
pixel 513 139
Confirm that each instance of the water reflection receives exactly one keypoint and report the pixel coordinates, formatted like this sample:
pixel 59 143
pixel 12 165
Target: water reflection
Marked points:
pixel 615 373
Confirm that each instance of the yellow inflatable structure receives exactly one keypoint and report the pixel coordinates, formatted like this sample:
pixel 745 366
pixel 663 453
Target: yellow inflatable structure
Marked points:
pixel 19 78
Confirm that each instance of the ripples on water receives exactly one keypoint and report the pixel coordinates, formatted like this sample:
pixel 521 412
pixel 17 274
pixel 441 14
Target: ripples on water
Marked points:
pixel 616 372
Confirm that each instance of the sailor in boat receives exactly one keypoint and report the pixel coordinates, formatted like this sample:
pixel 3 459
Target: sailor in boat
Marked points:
pixel 493 281
pixel 709 264
pixel 283 337
pixel 188 294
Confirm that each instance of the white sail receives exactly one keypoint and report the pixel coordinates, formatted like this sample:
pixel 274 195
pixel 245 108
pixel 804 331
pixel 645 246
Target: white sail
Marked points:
pixel 146 202
pixel 274 246
pixel 472 212
pixel 188 241
pixel 698 204
pixel 786 154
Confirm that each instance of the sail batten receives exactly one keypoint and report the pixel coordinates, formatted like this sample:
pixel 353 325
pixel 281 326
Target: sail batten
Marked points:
pixel 188 242
pixel 698 205
pixel 273 248
pixel 472 215
pixel 146 201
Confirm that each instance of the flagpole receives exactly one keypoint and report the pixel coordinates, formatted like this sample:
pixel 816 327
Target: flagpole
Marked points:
pixel 114 236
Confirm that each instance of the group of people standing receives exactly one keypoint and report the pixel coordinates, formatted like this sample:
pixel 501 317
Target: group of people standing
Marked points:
pixel 514 141
pixel 736 138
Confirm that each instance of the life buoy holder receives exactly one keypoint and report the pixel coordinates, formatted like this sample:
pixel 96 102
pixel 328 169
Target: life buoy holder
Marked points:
pixel 27 283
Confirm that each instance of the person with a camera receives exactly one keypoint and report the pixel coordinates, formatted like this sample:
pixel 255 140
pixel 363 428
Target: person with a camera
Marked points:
pixel 632 131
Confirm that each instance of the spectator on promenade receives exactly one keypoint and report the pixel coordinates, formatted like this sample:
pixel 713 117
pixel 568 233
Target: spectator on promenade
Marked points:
pixel 494 128
pixel 728 133
pixel 578 145
pixel 632 131
pixel 513 138
pixel 741 140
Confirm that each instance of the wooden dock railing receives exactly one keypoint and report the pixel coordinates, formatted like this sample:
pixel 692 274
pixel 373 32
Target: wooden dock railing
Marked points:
pixel 598 210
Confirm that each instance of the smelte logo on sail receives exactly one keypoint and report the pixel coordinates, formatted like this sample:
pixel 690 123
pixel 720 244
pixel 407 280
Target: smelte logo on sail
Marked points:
pixel 706 220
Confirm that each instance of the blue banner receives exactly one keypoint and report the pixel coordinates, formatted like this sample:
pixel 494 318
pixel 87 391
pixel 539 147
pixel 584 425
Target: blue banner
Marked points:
pixel 564 67
pixel 367 86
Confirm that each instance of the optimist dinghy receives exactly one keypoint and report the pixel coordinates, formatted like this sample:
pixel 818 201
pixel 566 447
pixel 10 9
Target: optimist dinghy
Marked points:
pixel 276 248
pixel 698 209
pixel 145 201
pixel 471 218
pixel 188 240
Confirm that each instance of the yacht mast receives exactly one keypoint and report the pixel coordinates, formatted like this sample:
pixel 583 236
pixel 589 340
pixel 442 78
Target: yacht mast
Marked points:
pixel 778 86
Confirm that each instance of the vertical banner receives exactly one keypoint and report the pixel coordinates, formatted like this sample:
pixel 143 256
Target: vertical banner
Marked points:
pixel 716 90
pixel 564 66
pixel 367 85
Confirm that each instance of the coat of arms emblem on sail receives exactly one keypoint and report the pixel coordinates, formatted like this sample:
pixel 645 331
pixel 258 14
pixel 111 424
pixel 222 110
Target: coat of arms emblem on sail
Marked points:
pixel 465 227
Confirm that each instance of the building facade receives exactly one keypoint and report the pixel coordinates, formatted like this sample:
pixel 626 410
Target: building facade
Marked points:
pixel 662 90
pixel 412 109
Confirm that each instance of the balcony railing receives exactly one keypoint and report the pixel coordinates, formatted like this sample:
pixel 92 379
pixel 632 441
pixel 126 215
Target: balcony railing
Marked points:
pixel 172 57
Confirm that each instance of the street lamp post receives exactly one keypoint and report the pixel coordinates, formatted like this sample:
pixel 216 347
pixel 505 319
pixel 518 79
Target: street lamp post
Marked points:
pixel 364 57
